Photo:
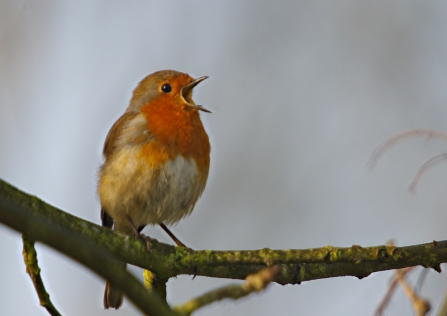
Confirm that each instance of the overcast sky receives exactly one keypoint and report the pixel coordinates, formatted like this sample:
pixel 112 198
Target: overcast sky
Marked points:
pixel 301 94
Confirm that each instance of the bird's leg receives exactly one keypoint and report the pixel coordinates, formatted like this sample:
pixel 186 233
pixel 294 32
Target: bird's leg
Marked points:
pixel 145 238
pixel 175 239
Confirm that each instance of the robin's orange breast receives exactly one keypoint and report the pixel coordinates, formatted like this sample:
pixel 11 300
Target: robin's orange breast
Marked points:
pixel 177 130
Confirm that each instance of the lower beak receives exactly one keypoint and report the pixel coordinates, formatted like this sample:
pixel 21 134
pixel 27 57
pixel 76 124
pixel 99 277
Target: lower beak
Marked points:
pixel 201 108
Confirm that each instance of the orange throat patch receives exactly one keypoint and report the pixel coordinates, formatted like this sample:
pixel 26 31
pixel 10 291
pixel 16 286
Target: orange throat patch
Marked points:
pixel 177 130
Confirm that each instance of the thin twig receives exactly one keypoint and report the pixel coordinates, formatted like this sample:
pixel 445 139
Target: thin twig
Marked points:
pixel 429 133
pixel 253 283
pixel 422 169
pixel 421 306
pixel 389 293
pixel 421 280
pixel 32 268
pixel 443 308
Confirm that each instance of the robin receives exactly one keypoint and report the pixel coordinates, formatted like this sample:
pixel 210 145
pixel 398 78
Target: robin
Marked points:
pixel 157 157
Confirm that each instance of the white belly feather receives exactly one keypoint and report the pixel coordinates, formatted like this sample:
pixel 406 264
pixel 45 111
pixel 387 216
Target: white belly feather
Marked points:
pixel 129 187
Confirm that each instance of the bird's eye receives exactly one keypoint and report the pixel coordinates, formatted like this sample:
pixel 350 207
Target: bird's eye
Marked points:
pixel 166 88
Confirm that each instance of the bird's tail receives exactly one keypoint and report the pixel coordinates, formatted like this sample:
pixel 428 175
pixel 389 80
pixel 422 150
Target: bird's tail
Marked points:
pixel 113 297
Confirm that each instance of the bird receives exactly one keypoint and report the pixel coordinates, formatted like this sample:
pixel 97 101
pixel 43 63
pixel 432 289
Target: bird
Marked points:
pixel 156 160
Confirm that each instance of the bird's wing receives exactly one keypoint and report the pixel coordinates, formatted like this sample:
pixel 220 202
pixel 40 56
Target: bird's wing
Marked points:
pixel 115 132
pixel 109 148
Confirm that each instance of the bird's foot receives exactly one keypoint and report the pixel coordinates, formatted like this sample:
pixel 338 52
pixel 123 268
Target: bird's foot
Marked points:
pixel 145 238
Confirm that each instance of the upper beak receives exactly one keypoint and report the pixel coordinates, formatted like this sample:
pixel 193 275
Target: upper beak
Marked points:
pixel 188 88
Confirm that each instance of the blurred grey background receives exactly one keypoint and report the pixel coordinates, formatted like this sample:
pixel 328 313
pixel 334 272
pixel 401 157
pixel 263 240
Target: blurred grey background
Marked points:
pixel 301 94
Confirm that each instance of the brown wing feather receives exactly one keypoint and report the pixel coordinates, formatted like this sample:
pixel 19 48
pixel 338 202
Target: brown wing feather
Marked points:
pixel 115 132
pixel 109 148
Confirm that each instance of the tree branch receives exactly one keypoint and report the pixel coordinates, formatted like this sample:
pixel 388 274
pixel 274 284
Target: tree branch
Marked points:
pixel 17 211
pixel 168 261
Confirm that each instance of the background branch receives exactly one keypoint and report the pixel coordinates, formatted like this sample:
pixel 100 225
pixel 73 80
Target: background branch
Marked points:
pixel 253 283
pixel 420 305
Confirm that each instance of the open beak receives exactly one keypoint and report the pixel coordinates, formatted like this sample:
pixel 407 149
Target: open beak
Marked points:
pixel 186 93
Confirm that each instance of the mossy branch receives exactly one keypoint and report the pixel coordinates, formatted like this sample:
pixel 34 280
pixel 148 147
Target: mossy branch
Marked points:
pixel 168 261
pixel 17 210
